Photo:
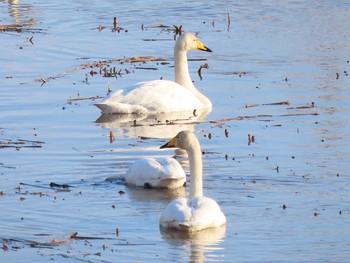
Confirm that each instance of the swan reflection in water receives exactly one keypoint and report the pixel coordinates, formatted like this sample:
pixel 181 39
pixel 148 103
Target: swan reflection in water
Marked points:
pixel 200 244
pixel 137 194
pixel 23 14
pixel 160 126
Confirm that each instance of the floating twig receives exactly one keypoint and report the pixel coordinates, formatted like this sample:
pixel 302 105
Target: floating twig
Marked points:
pixel 75 236
pixel 82 152
pixel 33 185
pixel 159 26
pixel 311 105
pixel 252 105
pixel 85 98
pixel 55 185
pixel 277 103
pixel 20 144
pixel 146 68
pixel 267 104
pixel 228 22
pixel 12 28
pixel 19 28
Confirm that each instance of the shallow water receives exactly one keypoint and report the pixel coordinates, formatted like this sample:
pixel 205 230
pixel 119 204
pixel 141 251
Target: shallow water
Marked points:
pixel 285 194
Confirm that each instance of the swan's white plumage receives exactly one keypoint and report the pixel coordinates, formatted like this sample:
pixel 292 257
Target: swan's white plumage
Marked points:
pixel 156 173
pixel 160 96
pixel 192 214
pixel 156 96
pixel 196 212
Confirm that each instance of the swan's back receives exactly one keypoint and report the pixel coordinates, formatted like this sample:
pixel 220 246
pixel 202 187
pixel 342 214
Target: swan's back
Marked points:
pixel 157 173
pixel 156 96
pixel 192 215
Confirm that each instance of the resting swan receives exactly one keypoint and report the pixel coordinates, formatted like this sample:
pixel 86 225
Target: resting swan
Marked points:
pixel 196 212
pixel 156 173
pixel 159 96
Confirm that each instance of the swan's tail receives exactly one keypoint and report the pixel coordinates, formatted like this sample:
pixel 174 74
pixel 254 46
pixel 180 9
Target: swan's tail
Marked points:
pixel 121 108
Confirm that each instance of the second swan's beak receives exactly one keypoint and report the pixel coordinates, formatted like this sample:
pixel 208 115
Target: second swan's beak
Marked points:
pixel 169 144
pixel 201 46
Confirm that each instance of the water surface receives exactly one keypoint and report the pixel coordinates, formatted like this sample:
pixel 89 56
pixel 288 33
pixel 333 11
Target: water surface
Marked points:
pixel 285 194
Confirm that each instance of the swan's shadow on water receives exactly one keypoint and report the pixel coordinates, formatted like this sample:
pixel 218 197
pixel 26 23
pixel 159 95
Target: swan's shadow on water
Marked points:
pixel 198 244
pixel 162 125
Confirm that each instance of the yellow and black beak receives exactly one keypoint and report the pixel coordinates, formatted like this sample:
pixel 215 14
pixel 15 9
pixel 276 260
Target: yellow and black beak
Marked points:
pixel 201 46
pixel 169 144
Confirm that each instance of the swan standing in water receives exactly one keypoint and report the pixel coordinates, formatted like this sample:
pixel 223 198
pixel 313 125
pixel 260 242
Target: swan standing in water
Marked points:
pixel 159 96
pixel 156 173
pixel 196 212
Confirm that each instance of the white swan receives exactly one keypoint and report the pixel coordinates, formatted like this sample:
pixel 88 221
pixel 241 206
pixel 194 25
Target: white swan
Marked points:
pixel 156 173
pixel 196 212
pixel 159 96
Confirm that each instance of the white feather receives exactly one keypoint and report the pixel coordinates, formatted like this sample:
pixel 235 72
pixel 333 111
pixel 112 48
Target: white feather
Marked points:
pixel 156 173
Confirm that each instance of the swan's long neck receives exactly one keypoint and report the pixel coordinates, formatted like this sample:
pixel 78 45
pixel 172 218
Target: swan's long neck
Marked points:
pixel 196 180
pixel 182 76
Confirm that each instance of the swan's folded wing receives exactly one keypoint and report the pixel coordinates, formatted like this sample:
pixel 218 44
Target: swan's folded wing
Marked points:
pixel 192 214
pixel 155 96
pixel 143 171
pixel 177 212
pixel 206 213
pixel 161 172
pixel 171 169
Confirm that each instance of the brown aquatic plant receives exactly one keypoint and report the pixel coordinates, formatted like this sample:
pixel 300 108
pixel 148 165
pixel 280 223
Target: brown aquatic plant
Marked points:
pixel 228 22
pixel 109 90
pixel 111 137
pixel 177 31
pixel 43 81
pixel 5 246
pixel 200 70
pixel 251 139
pixel 114 22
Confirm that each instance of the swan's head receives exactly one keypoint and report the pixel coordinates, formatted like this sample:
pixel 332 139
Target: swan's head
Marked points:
pixel 183 140
pixel 188 41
